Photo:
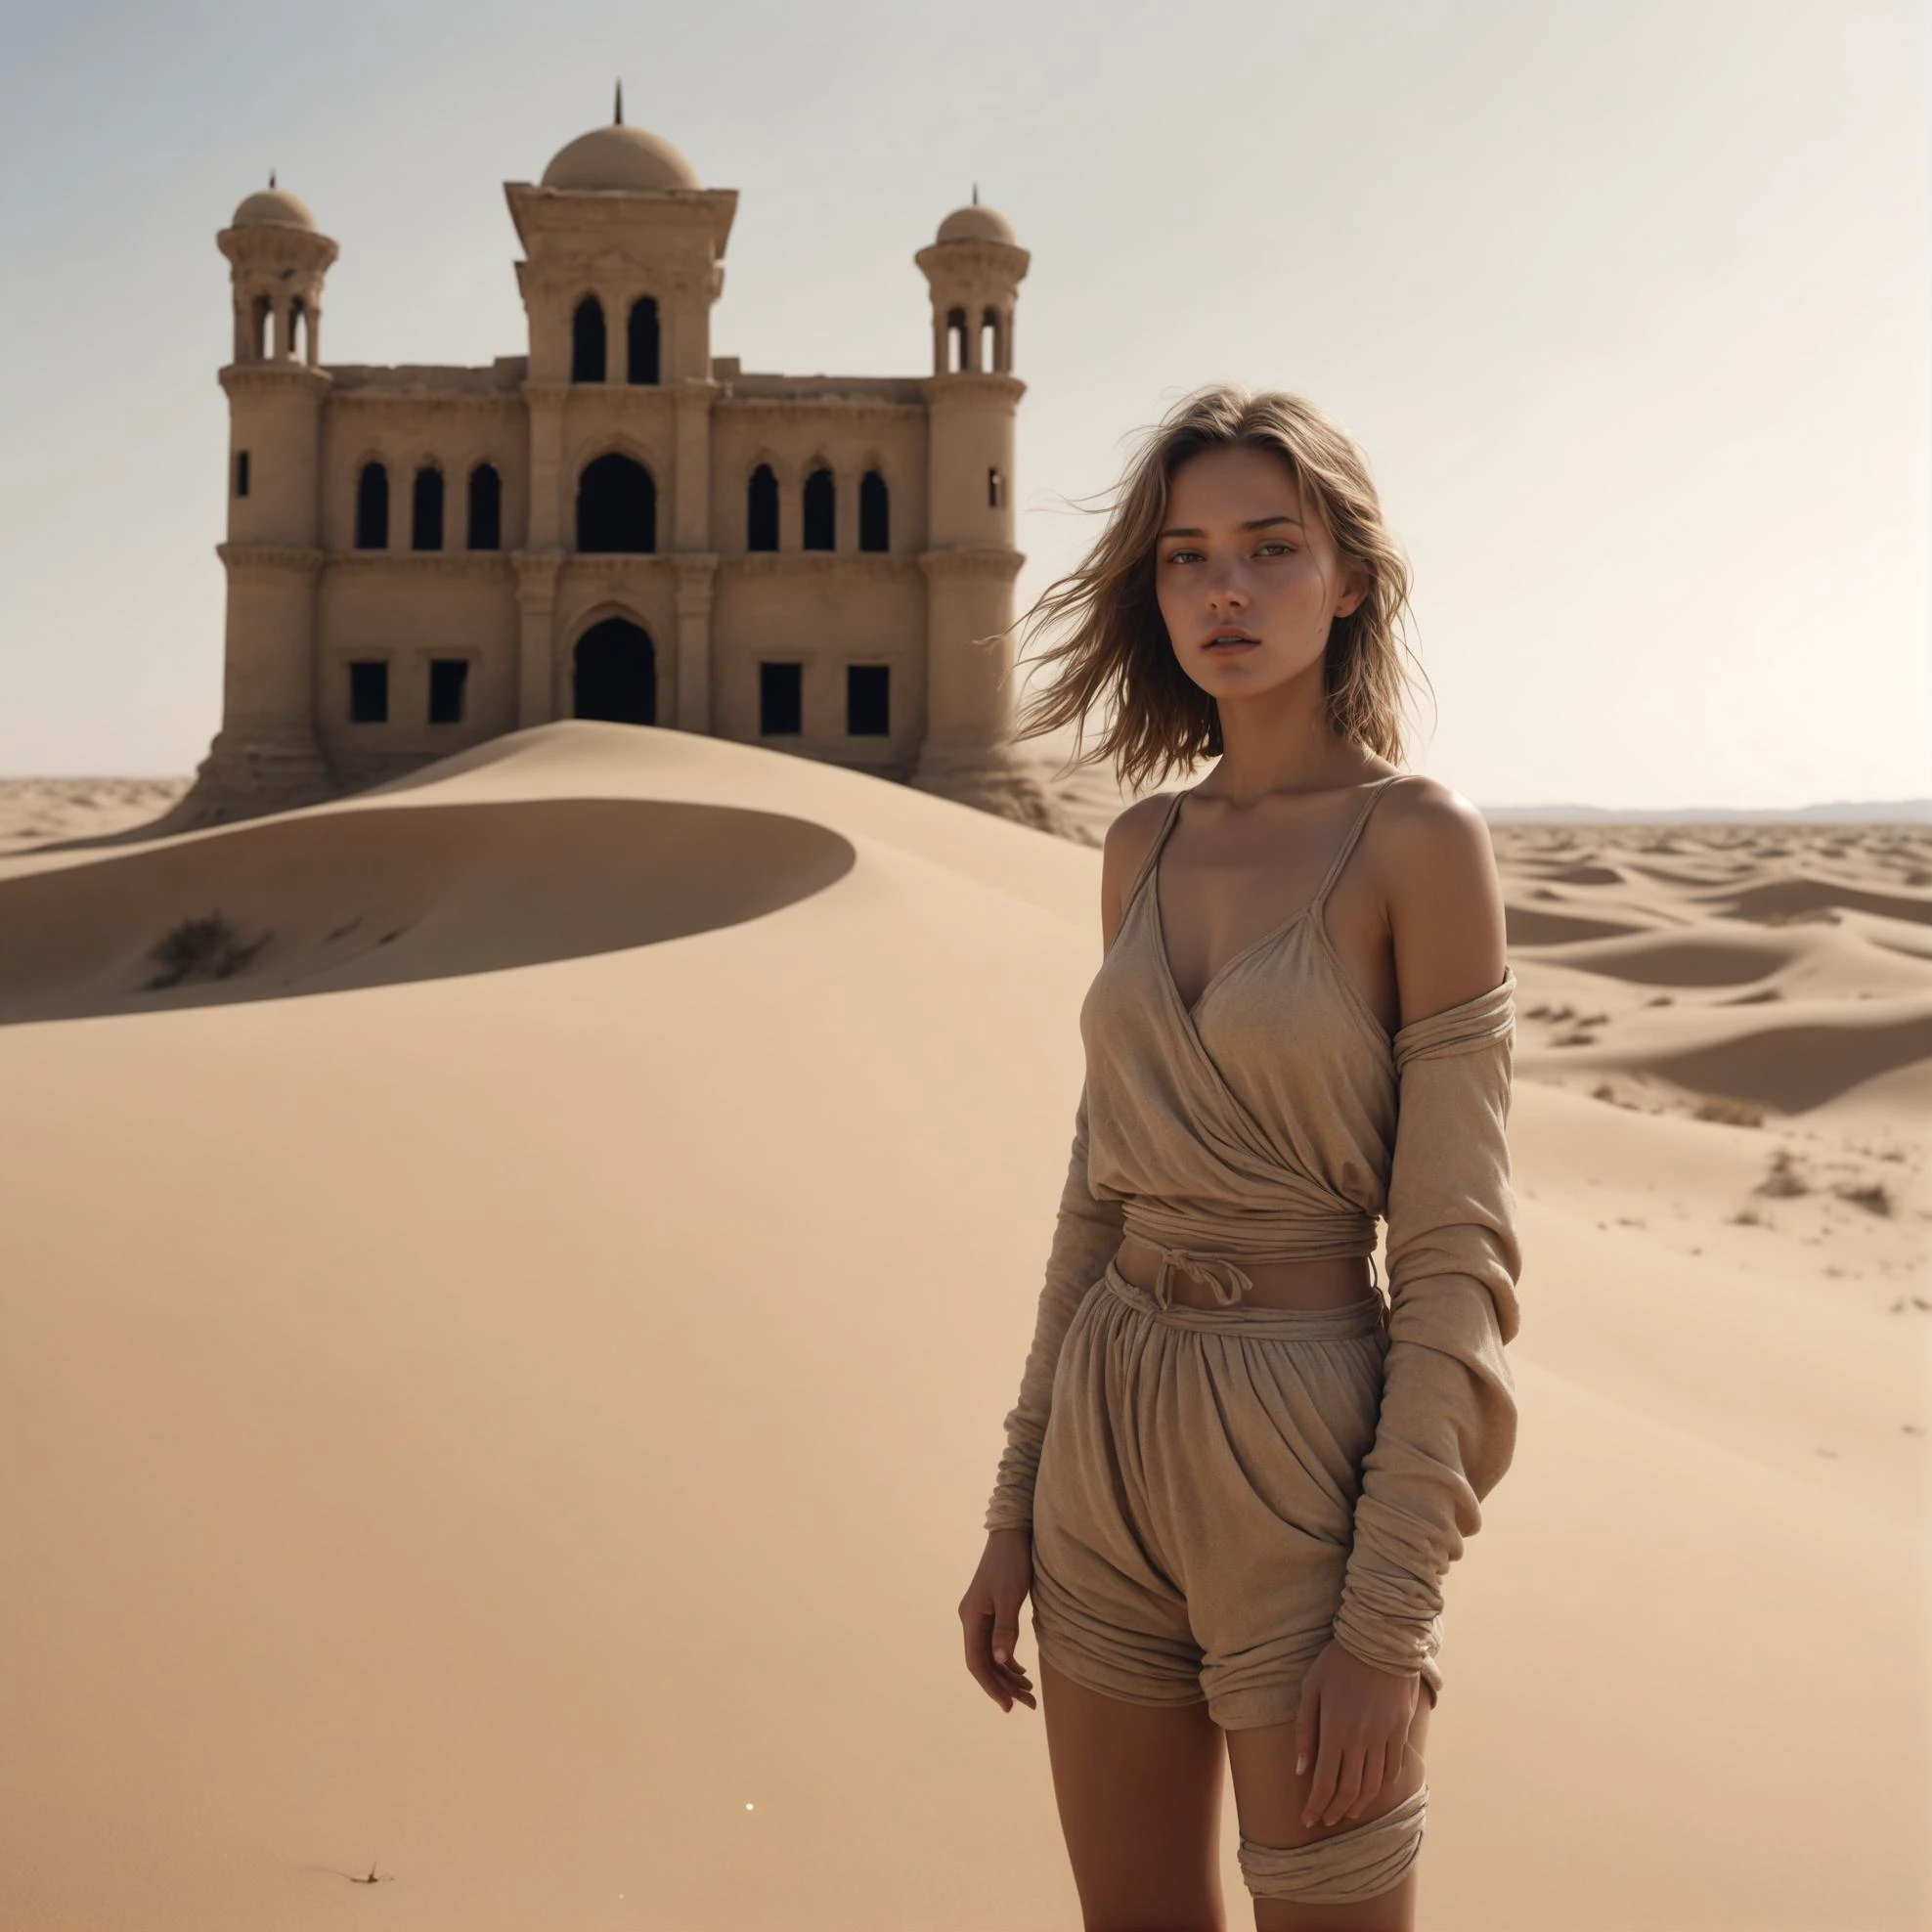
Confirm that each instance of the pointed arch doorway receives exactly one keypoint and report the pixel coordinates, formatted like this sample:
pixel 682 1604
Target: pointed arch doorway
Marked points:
pixel 613 674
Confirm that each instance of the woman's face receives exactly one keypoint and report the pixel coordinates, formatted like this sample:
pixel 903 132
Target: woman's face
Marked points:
pixel 1235 555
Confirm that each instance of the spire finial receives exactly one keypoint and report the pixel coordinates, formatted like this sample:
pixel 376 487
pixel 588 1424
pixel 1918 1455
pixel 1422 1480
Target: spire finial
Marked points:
pixel 619 122
pixel 271 177
pixel 976 193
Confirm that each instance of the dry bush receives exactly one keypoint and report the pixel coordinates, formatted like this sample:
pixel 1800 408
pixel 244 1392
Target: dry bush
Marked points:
pixel 210 948
pixel 1874 1197
pixel 1733 1112
pixel 1785 1179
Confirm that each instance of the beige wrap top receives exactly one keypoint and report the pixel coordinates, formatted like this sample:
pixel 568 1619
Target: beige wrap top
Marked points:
pixel 1278 1120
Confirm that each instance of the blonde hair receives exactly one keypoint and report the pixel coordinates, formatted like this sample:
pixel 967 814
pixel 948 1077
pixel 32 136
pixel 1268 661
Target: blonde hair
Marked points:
pixel 1118 644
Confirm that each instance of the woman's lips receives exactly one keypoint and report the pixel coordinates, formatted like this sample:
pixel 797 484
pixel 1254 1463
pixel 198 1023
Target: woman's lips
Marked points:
pixel 1228 646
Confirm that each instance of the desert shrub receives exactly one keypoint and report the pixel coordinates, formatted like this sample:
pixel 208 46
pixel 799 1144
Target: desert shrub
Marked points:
pixel 208 948
pixel 1733 1112
pixel 1784 1180
pixel 1874 1197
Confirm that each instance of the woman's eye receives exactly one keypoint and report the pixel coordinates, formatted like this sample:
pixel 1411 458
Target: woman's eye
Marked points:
pixel 1175 557
pixel 1287 549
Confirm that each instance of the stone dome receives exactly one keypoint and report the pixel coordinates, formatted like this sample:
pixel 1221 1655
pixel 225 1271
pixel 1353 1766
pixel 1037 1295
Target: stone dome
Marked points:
pixel 627 159
pixel 273 208
pixel 977 224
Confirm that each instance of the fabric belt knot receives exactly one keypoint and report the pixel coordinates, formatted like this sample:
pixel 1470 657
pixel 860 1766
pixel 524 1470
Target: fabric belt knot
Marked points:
pixel 1227 1289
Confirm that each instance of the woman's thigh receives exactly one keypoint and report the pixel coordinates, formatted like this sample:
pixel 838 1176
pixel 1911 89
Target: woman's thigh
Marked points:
pixel 1268 1800
pixel 1139 1792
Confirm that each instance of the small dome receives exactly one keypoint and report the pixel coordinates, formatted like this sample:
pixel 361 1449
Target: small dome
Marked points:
pixel 977 224
pixel 627 159
pixel 273 208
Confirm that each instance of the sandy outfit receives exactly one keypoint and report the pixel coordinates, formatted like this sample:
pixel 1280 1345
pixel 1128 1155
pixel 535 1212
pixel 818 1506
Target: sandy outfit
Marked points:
pixel 1213 1493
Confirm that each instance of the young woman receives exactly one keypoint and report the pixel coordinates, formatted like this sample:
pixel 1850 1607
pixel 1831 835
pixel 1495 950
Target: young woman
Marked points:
pixel 1236 1476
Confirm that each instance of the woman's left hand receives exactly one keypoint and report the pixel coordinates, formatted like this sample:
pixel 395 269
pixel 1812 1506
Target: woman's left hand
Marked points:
pixel 1352 1727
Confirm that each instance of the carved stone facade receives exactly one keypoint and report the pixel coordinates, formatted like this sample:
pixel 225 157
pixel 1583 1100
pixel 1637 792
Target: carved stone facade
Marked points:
pixel 616 523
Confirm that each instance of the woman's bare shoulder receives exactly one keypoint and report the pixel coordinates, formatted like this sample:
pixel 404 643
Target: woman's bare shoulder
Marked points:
pixel 1123 850
pixel 1436 867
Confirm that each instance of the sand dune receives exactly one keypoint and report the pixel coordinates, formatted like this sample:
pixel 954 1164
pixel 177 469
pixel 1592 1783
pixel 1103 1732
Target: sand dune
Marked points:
pixel 513 1405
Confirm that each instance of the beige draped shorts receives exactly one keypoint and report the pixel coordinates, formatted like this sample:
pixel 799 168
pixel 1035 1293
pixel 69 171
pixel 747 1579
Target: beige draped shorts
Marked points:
pixel 1195 1503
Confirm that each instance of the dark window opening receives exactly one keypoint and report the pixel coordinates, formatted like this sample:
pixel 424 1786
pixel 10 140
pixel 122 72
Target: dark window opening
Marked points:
pixel 486 509
pixel 988 340
pixel 447 677
pixel 587 341
pixel 373 507
pixel 996 490
pixel 298 329
pixel 820 511
pixel 780 700
pixel 761 510
pixel 427 511
pixel 643 343
pixel 614 674
pixel 616 506
pixel 369 691
pixel 240 472
pixel 868 707
pixel 956 329
pixel 874 512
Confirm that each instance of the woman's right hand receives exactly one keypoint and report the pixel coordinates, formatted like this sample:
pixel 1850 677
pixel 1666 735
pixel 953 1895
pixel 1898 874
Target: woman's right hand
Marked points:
pixel 990 1610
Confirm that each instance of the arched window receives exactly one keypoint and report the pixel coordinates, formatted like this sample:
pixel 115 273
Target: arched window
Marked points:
pixel 996 490
pixel 259 323
pixel 989 339
pixel 587 341
pixel 643 340
pixel 956 329
pixel 427 511
pixel 240 472
pixel 616 506
pixel 373 507
pixel 298 329
pixel 486 509
pixel 820 511
pixel 874 512
pixel 761 510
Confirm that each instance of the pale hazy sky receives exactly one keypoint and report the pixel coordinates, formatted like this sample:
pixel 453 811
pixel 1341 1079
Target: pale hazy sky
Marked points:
pixel 1628 305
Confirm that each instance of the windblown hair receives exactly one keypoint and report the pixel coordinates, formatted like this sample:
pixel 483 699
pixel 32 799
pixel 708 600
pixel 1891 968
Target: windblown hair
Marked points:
pixel 1116 646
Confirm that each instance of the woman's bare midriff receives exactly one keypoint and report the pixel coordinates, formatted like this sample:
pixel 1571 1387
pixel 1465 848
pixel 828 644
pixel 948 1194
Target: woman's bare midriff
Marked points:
pixel 1337 1281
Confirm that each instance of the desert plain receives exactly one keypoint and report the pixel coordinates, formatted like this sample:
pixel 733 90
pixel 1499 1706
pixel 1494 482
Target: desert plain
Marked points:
pixel 510 1283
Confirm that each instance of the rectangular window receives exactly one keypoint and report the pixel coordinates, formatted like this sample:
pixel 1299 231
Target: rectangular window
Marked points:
pixel 868 703
pixel 369 691
pixel 240 472
pixel 996 489
pixel 780 700
pixel 447 676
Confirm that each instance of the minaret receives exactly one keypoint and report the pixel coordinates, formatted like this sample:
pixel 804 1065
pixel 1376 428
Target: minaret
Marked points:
pixel 974 268
pixel 266 756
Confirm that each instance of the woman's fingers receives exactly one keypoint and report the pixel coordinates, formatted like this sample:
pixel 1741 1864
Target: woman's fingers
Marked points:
pixel 1005 1684
pixel 1337 1784
pixel 1377 1771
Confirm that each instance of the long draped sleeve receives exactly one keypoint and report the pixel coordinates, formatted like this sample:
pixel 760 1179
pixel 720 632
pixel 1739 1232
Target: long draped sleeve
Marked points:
pixel 1085 1233
pixel 1448 1421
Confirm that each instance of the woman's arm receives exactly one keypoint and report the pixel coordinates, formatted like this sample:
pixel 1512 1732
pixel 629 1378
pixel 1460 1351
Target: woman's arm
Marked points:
pixel 1448 1421
pixel 1086 1232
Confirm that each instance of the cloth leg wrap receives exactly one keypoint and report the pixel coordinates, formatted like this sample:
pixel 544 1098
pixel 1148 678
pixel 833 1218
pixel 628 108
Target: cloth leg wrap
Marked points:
pixel 1348 1866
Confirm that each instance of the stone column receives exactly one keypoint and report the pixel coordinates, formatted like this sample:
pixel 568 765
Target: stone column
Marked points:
pixel 697 580
pixel 549 512
pixel 690 522
pixel 535 604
